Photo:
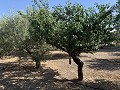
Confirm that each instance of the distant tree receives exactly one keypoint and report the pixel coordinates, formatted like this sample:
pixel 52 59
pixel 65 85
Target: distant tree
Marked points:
pixel 117 22
pixel 72 28
pixel 36 45
pixel 15 37
pixel 13 32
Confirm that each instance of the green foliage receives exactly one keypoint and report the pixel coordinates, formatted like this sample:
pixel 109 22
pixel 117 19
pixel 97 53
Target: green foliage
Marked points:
pixel 73 28
pixel 16 36
pixel 36 44
pixel 13 32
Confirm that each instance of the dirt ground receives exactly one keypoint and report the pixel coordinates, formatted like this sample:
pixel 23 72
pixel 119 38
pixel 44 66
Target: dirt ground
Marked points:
pixel 101 72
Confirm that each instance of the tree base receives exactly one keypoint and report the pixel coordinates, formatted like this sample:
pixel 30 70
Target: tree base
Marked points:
pixel 37 64
pixel 80 78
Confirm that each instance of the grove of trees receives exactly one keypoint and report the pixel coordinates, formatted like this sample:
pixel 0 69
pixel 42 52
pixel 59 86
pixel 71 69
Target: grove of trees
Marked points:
pixel 71 28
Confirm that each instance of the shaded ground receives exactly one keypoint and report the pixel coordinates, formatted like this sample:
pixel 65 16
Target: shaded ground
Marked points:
pixel 101 72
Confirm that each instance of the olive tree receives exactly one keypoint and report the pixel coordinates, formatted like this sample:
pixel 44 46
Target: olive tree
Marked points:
pixel 36 45
pixel 81 30
pixel 15 37
pixel 72 28
pixel 13 31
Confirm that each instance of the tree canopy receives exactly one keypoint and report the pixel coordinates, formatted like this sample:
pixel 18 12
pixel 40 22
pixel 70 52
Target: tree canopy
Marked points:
pixel 73 28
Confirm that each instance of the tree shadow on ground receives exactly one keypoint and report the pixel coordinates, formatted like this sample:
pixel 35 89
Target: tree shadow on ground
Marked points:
pixel 116 54
pixel 14 76
pixel 104 64
pixel 58 56
pixel 98 84
pixel 109 49
pixel 49 56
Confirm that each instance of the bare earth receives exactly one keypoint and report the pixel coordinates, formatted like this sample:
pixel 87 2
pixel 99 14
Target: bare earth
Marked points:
pixel 101 72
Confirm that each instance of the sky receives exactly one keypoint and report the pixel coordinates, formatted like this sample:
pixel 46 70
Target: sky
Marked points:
pixel 9 6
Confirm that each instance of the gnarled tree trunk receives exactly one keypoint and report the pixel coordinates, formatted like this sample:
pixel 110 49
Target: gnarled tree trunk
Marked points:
pixel 80 65
pixel 37 64
pixel 37 61
pixel 35 58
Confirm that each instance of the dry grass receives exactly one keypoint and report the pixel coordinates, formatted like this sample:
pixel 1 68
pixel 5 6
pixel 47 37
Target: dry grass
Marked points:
pixel 101 72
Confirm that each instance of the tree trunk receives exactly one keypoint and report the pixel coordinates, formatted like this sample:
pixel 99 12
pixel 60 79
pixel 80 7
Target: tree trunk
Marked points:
pixel 70 60
pixel 35 58
pixel 37 64
pixel 0 55
pixel 80 65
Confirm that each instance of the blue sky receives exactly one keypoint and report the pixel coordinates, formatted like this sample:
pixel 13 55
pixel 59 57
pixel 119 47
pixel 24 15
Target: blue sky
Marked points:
pixel 8 6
